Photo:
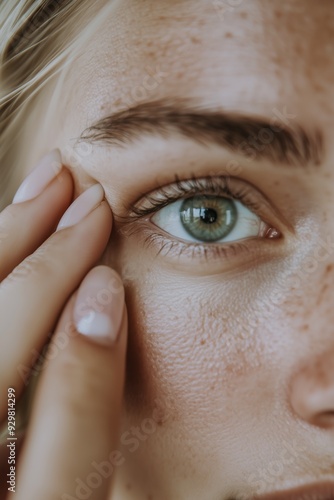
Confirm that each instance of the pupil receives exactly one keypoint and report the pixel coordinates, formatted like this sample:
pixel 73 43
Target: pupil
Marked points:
pixel 208 215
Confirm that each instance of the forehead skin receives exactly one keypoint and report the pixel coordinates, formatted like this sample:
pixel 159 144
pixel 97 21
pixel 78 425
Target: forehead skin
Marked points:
pixel 249 57
pixel 218 350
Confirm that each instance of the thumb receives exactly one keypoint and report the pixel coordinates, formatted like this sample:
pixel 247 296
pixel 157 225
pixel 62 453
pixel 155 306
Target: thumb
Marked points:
pixel 71 441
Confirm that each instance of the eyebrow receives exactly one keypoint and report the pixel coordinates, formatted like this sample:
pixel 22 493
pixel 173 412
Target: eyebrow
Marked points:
pixel 253 137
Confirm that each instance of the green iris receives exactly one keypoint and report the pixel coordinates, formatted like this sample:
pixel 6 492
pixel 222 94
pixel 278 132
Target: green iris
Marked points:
pixel 208 218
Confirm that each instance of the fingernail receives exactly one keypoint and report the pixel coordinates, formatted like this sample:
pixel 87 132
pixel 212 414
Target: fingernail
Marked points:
pixel 99 305
pixel 45 171
pixel 82 206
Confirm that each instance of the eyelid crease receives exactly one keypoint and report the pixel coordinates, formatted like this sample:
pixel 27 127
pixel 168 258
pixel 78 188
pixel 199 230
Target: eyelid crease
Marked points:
pixel 182 188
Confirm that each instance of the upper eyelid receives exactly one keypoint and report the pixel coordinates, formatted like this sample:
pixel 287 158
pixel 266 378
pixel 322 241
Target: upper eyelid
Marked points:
pixel 219 185
pixel 133 211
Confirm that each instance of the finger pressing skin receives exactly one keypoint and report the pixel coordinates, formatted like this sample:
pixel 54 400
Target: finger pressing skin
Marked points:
pixel 69 451
pixel 32 297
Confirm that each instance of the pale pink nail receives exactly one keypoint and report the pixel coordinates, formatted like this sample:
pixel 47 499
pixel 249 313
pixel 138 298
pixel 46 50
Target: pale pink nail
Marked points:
pixel 82 206
pixel 99 305
pixel 45 171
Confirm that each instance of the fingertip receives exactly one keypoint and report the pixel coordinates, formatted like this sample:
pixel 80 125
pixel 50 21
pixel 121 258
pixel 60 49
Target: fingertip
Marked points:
pixel 99 306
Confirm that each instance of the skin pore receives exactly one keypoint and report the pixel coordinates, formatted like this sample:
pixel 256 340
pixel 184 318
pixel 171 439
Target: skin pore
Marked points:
pixel 234 347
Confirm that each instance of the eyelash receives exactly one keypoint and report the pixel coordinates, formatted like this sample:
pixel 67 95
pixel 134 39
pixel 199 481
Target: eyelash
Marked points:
pixel 226 186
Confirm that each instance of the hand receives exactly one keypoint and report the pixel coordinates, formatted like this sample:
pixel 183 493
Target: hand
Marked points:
pixel 76 412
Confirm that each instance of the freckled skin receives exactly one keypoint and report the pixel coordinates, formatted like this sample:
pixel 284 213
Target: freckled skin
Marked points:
pixel 234 357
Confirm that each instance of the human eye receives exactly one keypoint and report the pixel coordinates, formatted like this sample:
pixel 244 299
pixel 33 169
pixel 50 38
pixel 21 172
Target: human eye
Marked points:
pixel 200 215
pixel 209 219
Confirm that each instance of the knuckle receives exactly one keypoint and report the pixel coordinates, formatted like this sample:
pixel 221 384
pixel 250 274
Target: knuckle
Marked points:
pixel 37 263
pixel 43 262
pixel 22 271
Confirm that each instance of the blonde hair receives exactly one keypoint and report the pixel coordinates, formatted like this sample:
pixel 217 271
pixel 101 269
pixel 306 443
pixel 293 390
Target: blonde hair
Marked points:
pixel 36 40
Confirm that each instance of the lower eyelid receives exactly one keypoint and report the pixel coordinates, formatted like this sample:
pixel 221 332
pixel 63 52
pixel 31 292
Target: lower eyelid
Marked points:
pixel 179 251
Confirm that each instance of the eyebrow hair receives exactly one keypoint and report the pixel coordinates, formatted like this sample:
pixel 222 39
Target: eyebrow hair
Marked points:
pixel 252 137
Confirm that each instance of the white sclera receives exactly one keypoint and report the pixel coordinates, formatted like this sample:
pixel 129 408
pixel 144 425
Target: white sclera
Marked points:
pixel 247 224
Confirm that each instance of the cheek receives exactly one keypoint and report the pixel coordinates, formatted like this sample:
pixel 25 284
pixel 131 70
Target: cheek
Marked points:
pixel 216 353
pixel 205 353
pixel 197 346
